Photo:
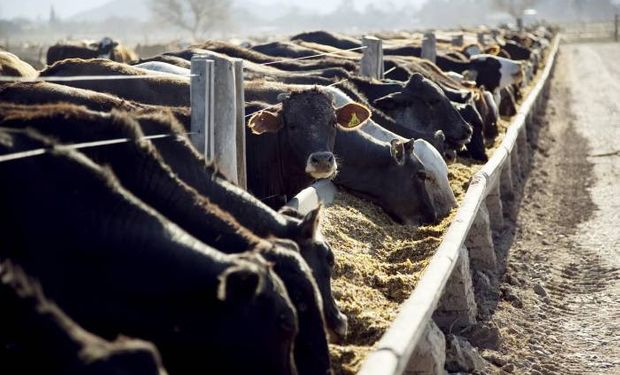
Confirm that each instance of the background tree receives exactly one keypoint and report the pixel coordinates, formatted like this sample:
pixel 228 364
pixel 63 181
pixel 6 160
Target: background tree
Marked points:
pixel 195 16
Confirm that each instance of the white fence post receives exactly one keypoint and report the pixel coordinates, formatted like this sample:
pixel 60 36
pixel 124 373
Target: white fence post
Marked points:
pixel 240 128
pixel 225 117
pixel 429 47
pixel 201 99
pixel 372 59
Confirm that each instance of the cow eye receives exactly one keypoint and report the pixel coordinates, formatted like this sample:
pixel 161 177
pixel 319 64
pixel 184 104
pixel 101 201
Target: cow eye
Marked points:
pixel 422 175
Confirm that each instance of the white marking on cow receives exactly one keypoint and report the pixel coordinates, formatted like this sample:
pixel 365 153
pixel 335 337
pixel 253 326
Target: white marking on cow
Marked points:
pixel 455 76
pixel 488 98
pixel 510 72
pixel 311 170
pixel 438 186
pixel 162 67
pixel 473 50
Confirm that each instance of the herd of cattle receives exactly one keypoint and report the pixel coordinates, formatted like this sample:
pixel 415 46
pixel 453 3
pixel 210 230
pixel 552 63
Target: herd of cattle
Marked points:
pixel 147 239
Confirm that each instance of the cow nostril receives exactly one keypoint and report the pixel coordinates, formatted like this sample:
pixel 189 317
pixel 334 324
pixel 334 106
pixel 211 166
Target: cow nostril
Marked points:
pixel 314 160
pixel 330 158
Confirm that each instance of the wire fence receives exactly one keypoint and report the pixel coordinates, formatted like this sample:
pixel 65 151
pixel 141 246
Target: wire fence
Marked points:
pixel 584 31
pixel 91 78
pixel 77 146
pixel 314 56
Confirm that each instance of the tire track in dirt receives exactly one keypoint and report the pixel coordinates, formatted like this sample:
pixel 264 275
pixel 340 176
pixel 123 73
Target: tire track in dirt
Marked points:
pixel 558 311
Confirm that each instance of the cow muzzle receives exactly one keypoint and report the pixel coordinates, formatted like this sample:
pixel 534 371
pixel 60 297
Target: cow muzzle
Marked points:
pixel 321 165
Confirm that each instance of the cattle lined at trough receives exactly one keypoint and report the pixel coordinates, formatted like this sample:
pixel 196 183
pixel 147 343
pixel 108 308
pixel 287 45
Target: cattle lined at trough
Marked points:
pixel 147 238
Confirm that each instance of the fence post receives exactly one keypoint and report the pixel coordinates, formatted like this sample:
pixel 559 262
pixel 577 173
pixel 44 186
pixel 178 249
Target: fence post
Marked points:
pixel 458 40
pixel 240 128
pixel 372 59
pixel 429 47
pixel 201 101
pixel 520 23
pixel 457 307
pixel 616 27
pixel 225 117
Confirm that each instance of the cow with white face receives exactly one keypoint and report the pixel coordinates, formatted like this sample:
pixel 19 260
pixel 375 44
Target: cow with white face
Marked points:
pixel 494 72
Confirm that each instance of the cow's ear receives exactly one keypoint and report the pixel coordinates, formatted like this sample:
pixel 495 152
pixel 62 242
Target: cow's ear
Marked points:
pixel 352 115
pixel 239 283
pixel 408 146
pixel 310 223
pixel 493 50
pixel 265 122
pixel 470 75
pixel 397 150
pixel 414 82
pixel 390 101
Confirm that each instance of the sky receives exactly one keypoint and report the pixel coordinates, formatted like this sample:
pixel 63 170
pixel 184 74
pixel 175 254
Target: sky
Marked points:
pixel 66 8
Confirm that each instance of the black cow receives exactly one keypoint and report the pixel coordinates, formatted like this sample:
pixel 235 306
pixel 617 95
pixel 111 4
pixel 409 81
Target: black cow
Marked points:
pixel 47 92
pixel 291 145
pixel 389 175
pixel 517 51
pixel 284 49
pixel 329 39
pixel 105 48
pixel 116 266
pixel 507 103
pixel 259 58
pixel 250 212
pixel 190 167
pixel 491 72
pixel 166 90
pixel 37 337
pixel 421 105
pixel 475 149
pixel 141 170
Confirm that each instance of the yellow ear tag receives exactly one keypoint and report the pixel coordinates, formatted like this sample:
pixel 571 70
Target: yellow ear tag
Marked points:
pixel 354 121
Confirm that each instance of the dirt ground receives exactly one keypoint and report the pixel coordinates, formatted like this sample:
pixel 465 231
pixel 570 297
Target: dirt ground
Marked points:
pixel 557 308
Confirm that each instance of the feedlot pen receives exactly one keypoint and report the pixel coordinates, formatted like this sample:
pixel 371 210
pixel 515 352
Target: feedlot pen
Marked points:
pixel 379 263
pixel 552 304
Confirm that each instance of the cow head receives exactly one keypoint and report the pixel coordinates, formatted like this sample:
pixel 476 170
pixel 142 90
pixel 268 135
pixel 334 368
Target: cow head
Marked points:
pixel 246 287
pixel 494 72
pixel 320 257
pixel 106 48
pixel 422 105
pixel 306 123
pixel 437 183
pixel 410 176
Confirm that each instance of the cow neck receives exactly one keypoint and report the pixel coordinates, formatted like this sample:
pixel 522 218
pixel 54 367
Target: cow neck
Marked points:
pixel 279 186
pixel 279 149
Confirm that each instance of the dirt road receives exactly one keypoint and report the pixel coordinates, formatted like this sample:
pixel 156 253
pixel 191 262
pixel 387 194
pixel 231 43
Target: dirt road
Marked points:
pixel 559 300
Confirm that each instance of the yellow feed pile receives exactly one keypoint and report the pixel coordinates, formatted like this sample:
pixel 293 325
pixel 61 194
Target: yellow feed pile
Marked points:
pixel 379 262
